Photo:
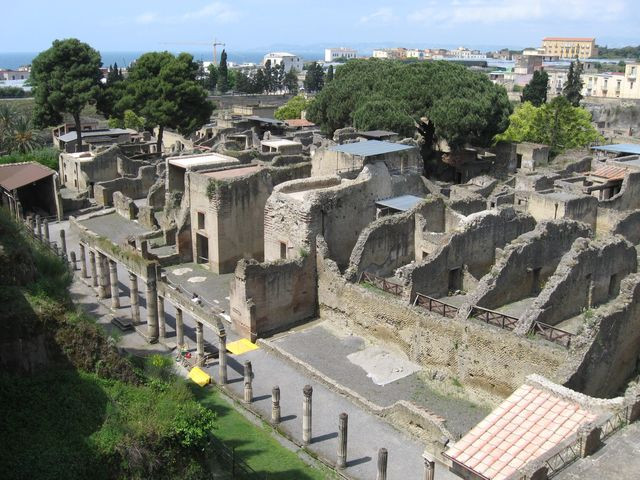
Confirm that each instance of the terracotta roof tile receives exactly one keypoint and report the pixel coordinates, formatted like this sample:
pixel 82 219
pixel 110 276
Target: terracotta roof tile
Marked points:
pixel 524 426
pixel 16 175
pixel 610 172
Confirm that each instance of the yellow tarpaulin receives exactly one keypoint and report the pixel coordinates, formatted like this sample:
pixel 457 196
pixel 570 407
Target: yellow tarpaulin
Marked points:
pixel 199 376
pixel 241 346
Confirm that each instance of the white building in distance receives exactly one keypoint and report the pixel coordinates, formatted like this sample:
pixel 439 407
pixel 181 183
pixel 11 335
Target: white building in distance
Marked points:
pixel 332 54
pixel 288 59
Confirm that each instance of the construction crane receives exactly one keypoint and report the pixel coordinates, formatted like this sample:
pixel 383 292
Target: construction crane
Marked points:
pixel 216 44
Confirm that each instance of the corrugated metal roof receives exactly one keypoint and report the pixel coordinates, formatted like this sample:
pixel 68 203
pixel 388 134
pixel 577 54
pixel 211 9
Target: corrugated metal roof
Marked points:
pixel 94 133
pixel 630 148
pixel 523 427
pixel 18 175
pixel 370 148
pixel 377 133
pixel 272 121
pixel 610 172
pixel 401 203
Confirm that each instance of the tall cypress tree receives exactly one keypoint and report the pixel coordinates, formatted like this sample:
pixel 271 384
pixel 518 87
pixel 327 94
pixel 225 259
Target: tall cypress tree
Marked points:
pixel 536 90
pixel 330 73
pixel 573 88
pixel 223 73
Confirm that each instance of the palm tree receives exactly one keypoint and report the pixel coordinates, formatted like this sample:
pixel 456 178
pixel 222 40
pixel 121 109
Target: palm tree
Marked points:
pixel 23 137
pixel 7 119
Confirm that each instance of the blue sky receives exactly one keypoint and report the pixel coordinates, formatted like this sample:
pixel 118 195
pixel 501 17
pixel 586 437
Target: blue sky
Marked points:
pixel 31 25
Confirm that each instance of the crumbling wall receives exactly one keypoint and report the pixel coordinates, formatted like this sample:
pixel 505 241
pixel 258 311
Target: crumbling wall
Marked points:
pixel 525 264
pixel 485 360
pixel 470 252
pixel 628 225
pixel 608 348
pixel 588 275
pixel 124 206
pixel 583 208
pixel 628 198
pixel 272 296
pixel 131 187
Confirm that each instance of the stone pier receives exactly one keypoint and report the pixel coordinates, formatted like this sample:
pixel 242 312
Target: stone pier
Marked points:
pixel 39 227
pixel 199 343
pixel 92 266
pixel 74 262
pixel 307 392
pixel 222 357
pixel 113 280
pixel 152 311
pixel 133 295
pixel 382 464
pixel 63 243
pixel 275 405
pixel 248 387
pixel 429 467
pixel 343 425
pixel 103 276
pixel 45 225
pixel 179 328
pixel 83 260
pixel 162 319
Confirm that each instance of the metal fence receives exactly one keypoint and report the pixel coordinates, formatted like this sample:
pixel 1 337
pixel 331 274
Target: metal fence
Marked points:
pixel 492 317
pixel 381 283
pixel 435 305
pixel 553 334
pixel 563 458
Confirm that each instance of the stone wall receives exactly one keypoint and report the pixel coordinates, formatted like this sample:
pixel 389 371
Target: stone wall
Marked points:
pixel 470 251
pixel 328 162
pixel 628 225
pixel 272 296
pixel 131 187
pixel 234 212
pixel 588 275
pixel 609 348
pixel 629 196
pixel 551 206
pixel 340 209
pixel 487 361
pixel 124 206
pixel 525 264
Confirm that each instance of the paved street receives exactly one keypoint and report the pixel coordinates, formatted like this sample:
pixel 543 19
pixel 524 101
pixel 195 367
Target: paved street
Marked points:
pixel 367 433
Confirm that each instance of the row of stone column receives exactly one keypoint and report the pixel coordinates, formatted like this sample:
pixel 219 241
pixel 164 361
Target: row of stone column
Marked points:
pixel 343 425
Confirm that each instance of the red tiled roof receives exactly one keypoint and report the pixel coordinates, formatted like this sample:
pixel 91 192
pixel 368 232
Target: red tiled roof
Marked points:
pixel 527 424
pixel 610 172
pixel 16 175
pixel 299 122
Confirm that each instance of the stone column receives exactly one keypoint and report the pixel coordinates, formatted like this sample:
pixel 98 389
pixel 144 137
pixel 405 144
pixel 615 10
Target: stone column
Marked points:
pixel 307 391
pixel 103 276
pixel 382 464
pixel 113 277
pixel 92 266
pixel 589 436
pixel 179 328
pixel 39 227
pixel 83 261
pixel 222 357
pixel 104 265
pixel 162 321
pixel 248 388
pixel 200 343
pixel 19 210
pixel 45 224
pixel 63 242
pixel 429 468
pixel 632 399
pixel 12 208
pixel 74 263
pixel 275 405
pixel 152 311
pixel 343 424
pixel 133 295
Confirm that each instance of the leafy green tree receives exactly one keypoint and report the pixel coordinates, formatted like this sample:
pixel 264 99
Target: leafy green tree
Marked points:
pixel 293 108
pixel 444 100
pixel 314 80
pixel 131 120
pixel 557 124
pixel 164 90
pixel 573 88
pixel 212 77
pixel 536 90
pixel 65 78
pixel 223 73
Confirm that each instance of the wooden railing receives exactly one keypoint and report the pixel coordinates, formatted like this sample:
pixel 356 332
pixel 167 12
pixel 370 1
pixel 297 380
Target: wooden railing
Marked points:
pixel 553 334
pixel 492 317
pixel 381 283
pixel 435 305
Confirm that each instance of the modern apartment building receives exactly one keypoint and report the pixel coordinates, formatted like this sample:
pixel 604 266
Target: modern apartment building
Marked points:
pixel 332 54
pixel 570 47
pixel 608 84
pixel 288 59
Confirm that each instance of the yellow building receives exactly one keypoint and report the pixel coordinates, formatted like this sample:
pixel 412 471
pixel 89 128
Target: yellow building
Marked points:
pixel 570 47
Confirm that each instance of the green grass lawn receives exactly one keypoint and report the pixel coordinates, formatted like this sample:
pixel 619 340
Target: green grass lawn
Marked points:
pixel 254 444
